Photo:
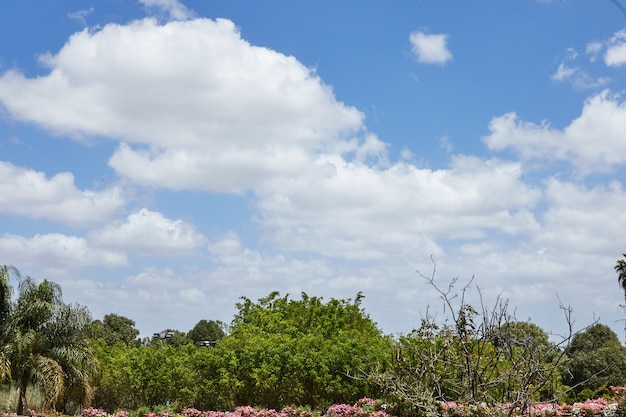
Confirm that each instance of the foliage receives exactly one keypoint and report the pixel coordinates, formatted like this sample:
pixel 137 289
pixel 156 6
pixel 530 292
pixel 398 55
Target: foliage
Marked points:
pixel 207 331
pixel 302 351
pixel 115 329
pixel 44 343
pixel 595 358
pixel 279 352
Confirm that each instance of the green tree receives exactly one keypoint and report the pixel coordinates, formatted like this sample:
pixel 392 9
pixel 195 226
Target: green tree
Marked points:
pixel 620 268
pixel 46 345
pixel 115 329
pixel 305 351
pixel 207 331
pixel 595 358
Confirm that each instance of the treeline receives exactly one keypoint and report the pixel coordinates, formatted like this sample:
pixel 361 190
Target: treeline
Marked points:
pixel 279 351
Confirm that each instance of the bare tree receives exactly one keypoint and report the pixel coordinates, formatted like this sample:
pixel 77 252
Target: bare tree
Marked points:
pixel 476 356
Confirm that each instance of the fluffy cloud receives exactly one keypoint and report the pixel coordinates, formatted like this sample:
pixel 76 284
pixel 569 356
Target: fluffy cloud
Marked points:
pixel 149 233
pixel 57 251
pixel 615 54
pixel 430 48
pixel 355 211
pixel 198 106
pixel 25 192
pixel 581 219
pixel 592 142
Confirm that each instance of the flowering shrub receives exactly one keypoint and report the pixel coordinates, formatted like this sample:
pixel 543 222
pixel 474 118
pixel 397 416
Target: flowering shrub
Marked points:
pixel 367 407
pixel 94 412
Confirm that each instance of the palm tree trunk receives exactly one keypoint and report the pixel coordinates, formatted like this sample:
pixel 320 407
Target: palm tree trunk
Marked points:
pixel 22 405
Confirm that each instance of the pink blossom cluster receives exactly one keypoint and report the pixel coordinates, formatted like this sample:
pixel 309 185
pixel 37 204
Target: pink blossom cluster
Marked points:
pixel 93 412
pixel 588 408
pixel 365 407
pixel 99 412
pixel 247 411
pixel 362 408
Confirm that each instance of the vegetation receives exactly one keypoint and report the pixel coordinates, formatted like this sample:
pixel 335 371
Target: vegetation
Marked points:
pixel 44 343
pixel 279 352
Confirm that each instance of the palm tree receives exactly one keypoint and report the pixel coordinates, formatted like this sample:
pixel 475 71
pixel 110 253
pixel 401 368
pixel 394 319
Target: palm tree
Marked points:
pixel 620 268
pixel 47 345
pixel 6 272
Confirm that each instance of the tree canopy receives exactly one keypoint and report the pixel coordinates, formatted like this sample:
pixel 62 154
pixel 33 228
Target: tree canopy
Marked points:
pixel 115 329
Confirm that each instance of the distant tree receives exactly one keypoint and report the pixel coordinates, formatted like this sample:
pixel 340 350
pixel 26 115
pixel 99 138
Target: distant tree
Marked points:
pixel 115 329
pixel 620 268
pixel 593 338
pixel 207 331
pixel 595 358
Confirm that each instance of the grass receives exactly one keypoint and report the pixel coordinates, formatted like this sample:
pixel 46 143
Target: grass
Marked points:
pixel 9 397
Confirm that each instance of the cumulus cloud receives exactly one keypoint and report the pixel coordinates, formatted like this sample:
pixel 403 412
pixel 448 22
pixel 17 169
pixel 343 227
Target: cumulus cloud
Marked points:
pixel 430 48
pixel 196 106
pixel 58 251
pixel 615 54
pixel 582 219
pixel 612 50
pixel 149 233
pixel 355 211
pixel 593 142
pixel 29 193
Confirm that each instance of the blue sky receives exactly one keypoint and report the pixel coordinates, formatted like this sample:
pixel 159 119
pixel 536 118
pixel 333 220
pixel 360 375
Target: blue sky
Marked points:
pixel 160 159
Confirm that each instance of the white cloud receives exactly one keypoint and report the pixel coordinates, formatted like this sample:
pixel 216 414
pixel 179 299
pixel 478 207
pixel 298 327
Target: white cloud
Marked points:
pixel 57 251
pixel 430 48
pixel 354 211
pixel 576 76
pixel 593 49
pixel 615 54
pixel 580 79
pixel 149 233
pixel 563 72
pixel 593 142
pixel 197 106
pixel 614 49
pixel 81 15
pixel 174 8
pixel 581 220
pixel 30 193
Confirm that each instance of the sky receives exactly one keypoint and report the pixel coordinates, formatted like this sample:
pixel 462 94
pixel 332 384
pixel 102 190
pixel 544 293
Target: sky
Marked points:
pixel 161 159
